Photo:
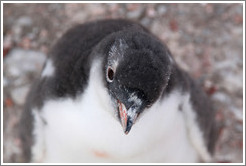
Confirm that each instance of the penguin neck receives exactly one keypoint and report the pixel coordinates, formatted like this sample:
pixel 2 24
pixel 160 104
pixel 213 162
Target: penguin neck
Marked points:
pixel 178 80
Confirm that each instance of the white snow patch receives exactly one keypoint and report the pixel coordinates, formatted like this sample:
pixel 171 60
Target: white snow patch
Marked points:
pixel 24 21
pixel 221 97
pixel 5 81
pixel 19 94
pixel 19 62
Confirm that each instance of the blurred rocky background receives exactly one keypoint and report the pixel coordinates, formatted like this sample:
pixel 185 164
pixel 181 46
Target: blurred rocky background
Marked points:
pixel 206 40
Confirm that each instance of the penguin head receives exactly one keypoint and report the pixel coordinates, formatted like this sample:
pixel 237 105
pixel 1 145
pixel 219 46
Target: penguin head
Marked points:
pixel 137 70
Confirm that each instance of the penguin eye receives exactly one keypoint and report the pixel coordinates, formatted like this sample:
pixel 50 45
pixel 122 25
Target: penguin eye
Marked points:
pixel 110 74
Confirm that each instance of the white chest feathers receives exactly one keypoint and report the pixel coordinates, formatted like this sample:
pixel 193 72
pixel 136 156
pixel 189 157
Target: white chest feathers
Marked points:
pixel 86 130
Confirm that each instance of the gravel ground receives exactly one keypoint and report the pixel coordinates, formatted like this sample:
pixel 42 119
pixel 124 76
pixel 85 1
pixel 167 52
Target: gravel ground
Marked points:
pixel 206 40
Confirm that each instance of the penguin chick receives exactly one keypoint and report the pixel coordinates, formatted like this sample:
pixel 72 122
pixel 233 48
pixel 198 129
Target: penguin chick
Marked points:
pixel 110 91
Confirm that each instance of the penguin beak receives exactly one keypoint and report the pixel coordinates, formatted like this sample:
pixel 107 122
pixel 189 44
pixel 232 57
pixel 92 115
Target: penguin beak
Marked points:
pixel 127 117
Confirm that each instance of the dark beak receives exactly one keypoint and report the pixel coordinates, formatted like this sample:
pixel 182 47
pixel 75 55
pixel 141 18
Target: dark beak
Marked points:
pixel 127 117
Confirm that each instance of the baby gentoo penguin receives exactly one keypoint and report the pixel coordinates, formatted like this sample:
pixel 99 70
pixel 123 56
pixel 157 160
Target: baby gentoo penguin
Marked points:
pixel 110 91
